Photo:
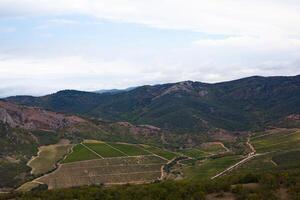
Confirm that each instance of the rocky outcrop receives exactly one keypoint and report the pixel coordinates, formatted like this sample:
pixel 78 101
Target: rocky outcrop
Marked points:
pixel 34 118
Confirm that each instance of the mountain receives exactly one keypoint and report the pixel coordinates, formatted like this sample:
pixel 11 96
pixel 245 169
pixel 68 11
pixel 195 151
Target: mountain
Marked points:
pixel 186 107
pixel 23 129
pixel 114 91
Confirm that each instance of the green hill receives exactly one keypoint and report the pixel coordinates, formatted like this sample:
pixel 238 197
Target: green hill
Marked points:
pixel 240 105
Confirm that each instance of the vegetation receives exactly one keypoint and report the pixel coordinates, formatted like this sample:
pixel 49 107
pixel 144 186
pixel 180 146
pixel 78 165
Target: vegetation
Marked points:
pixel 130 150
pixel 105 171
pixel 213 147
pixel 47 158
pixel 210 167
pixel 160 152
pixel 105 150
pixel 16 148
pixel 46 137
pixel 263 187
pixel 241 105
pixel 194 153
pixel 277 140
pixel 188 114
pixel 80 153
pixel 288 159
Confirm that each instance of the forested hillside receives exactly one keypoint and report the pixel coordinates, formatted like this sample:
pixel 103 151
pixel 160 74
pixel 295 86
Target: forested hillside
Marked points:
pixel 240 105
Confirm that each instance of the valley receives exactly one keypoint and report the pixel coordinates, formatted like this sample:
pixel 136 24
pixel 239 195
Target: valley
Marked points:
pixel 109 140
pixel 95 162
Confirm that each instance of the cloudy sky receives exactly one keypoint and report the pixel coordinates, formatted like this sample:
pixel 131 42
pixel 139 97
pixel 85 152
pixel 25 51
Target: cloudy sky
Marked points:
pixel 49 45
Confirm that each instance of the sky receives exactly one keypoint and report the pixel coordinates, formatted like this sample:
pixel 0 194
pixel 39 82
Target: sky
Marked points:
pixel 50 45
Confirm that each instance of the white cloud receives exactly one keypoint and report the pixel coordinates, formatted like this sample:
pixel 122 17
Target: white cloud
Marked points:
pixel 244 17
pixel 257 43
pixel 42 76
pixel 260 38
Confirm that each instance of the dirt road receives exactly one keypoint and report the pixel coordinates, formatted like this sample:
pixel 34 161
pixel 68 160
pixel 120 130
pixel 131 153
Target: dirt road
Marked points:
pixel 250 155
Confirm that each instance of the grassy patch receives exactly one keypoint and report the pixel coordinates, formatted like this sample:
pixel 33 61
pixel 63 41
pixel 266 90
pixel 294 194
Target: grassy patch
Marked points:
pixel 189 162
pixel 80 153
pixel 160 152
pixel 288 159
pixel 194 153
pixel 278 141
pixel 210 167
pixel 104 150
pixel 130 150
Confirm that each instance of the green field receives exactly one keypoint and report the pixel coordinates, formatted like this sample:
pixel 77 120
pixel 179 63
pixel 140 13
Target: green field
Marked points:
pixel 47 158
pixel 189 162
pixel 105 150
pixel 277 141
pixel 287 159
pixel 80 153
pixel 130 150
pixel 98 150
pixel 194 153
pixel 160 152
pixel 279 149
pixel 210 167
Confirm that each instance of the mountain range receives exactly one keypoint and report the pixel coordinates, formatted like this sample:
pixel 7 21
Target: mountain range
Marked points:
pixel 246 104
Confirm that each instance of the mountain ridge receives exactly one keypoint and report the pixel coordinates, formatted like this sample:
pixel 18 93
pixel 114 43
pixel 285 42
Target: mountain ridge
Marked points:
pixel 187 106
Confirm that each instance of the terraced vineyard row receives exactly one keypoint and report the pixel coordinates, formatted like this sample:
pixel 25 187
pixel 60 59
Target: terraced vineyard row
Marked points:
pixel 278 149
pixel 96 162
pixel 105 171
pixel 108 163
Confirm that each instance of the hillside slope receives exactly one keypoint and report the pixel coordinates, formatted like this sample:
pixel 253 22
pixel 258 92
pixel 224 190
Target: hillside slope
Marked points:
pixel 23 129
pixel 240 105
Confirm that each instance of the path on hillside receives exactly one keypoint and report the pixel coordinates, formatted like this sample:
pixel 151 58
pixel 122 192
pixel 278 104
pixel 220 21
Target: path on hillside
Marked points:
pixel 221 143
pixel 250 155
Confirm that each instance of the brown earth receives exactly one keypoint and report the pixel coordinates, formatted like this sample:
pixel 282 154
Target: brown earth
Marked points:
pixel 108 171
pixel 220 196
pixel 33 118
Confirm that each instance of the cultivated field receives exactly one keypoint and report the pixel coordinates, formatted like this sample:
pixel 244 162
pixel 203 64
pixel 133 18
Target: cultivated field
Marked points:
pixel 276 140
pixel 95 162
pixel 194 153
pixel 278 149
pixel 287 159
pixel 206 150
pixel 80 153
pixel 210 167
pixel 130 150
pixel 108 163
pixel 47 158
pixel 119 170
pixel 168 155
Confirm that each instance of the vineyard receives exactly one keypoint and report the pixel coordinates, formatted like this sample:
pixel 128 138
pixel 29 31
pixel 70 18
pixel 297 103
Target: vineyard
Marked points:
pixel 108 163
